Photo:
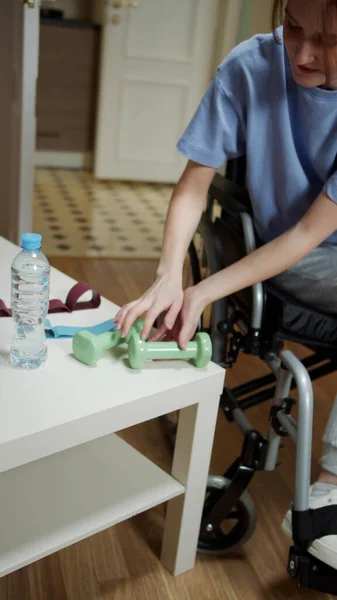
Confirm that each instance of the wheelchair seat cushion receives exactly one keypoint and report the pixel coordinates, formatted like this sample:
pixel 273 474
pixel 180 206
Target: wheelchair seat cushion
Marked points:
pixel 298 322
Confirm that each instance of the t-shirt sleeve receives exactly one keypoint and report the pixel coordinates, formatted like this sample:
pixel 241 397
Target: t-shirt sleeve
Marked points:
pixel 216 133
pixel 331 187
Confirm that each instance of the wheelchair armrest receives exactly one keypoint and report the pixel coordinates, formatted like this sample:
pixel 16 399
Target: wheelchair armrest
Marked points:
pixel 232 198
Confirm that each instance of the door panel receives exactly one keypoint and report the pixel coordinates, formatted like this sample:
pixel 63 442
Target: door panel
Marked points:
pixel 156 63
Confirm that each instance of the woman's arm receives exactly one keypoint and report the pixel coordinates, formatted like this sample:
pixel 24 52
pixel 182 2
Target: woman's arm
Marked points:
pixel 267 261
pixel 184 213
pixel 183 216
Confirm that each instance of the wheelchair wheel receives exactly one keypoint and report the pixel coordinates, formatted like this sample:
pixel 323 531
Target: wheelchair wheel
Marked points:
pixel 204 259
pixel 195 270
pixel 236 528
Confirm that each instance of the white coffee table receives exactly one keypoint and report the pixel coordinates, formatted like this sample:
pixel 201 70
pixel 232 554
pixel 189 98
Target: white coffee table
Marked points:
pixel 65 474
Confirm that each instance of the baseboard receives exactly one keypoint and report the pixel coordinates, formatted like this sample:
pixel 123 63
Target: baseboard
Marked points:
pixel 63 160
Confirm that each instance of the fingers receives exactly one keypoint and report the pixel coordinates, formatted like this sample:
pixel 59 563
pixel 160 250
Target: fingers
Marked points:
pixel 162 331
pixel 117 316
pixel 151 306
pixel 189 324
pixel 151 316
pixel 172 314
pixel 170 323
pixel 186 334
pixel 131 315
pixel 193 306
pixel 126 317
pixel 181 334
pixel 120 316
pixel 171 336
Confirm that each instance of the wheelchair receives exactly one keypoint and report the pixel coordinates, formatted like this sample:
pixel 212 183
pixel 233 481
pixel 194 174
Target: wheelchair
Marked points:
pixel 259 321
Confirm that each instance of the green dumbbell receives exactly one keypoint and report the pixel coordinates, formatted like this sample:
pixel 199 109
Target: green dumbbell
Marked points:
pixel 199 351
pixel 88 347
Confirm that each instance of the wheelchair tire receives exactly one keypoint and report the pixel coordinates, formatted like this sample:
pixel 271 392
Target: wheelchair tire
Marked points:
pixel 219 542
pixel 197 262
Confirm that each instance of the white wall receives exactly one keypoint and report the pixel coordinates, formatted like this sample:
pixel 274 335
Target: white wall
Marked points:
pixel 261 16
pixel 239 20
pixel 228 27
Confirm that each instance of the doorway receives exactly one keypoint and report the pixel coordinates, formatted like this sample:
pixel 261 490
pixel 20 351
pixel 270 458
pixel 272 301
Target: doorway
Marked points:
pixel 235 20
pixel 117 85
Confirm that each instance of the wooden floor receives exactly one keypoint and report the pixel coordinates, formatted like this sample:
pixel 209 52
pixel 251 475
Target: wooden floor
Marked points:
pixel 122 562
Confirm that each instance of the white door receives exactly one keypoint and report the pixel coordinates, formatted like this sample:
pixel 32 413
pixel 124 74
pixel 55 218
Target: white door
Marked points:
pixel 29 74
pixel 157 59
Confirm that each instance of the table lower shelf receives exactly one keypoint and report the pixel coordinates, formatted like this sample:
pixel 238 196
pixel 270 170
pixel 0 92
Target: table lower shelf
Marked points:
pixel 59 500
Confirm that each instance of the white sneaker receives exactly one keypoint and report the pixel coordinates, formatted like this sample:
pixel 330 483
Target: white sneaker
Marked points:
pixel 324 549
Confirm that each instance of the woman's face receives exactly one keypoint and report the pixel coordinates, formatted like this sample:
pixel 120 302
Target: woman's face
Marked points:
pixel 311 49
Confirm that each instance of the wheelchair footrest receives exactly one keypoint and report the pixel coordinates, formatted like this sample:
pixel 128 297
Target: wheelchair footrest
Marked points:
pixel 311 573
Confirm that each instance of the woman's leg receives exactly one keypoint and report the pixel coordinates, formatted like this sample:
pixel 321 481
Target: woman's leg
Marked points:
pixel 313 281
pixel 329 454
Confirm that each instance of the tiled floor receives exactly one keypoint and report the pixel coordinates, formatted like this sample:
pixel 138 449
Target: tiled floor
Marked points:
pixel 80 216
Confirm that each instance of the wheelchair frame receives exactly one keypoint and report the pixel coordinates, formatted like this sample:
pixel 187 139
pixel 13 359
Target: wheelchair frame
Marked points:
pixel 230 333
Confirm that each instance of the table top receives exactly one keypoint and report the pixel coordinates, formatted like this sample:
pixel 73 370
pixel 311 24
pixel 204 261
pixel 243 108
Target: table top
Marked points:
pixel 65 403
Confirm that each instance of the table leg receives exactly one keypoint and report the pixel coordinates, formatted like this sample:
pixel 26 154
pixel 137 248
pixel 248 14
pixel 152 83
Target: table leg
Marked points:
pixel 192 455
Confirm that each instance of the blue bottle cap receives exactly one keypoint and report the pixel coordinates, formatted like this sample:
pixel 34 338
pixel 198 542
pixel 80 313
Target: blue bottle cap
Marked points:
pixel 31 241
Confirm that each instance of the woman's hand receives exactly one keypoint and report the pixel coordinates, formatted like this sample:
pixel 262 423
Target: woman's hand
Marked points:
pixel 192 309
pixel 187 321
pixel 165 295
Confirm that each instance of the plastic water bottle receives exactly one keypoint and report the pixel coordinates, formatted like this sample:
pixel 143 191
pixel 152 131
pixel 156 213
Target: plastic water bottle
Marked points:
pixel 30 275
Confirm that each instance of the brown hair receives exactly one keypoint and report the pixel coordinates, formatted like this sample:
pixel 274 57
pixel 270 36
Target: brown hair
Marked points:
pixel 277 15
pixel 279 7
pixel 327 9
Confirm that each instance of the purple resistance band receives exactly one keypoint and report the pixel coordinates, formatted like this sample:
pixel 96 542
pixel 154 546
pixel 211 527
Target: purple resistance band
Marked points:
pixel 72 301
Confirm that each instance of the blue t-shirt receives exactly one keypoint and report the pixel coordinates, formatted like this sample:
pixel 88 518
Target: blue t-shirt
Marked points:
pixel 287 132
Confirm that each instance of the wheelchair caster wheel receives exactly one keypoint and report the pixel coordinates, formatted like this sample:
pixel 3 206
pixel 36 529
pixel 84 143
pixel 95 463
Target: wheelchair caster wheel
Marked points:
pixel 237 527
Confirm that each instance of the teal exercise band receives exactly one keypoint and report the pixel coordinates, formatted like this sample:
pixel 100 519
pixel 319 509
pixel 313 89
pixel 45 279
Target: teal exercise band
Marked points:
pixel 69 332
